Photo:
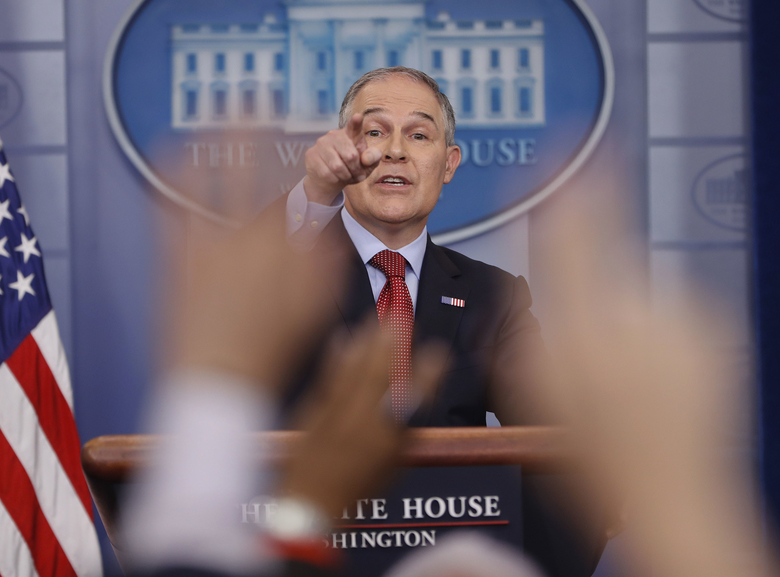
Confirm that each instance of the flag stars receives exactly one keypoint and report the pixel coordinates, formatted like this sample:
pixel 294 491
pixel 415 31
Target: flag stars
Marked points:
pixel 3 250
pixel 23 284
pixel 4 213
pixel 23 211
pixel 5 174
pixel 28 247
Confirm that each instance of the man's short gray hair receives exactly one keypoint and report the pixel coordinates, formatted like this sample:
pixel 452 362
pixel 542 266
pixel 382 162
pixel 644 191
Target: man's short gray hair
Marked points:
pixel 417 76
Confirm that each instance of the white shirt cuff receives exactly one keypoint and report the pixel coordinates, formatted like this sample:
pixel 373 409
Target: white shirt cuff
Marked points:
pixel 306 219
pixel 186 507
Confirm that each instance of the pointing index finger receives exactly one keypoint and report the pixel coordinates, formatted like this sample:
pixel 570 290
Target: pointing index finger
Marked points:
pixel 355 127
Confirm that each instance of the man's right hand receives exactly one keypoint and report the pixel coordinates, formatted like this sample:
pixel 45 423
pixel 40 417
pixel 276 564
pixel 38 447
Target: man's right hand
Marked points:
pixel 339 158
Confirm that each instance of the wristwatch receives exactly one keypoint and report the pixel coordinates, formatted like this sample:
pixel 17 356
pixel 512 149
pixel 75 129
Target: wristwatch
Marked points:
pixel 297 520
pixel 298 531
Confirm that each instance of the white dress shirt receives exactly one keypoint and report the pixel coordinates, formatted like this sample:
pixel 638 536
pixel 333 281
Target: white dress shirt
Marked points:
pixel 306 219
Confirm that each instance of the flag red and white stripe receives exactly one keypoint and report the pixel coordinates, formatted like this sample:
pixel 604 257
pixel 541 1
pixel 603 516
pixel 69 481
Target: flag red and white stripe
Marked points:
pixel 46 519
pixel 453 302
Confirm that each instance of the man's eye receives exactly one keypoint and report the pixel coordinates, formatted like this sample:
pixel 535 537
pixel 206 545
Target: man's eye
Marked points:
pixel 373 133
pixel 418 136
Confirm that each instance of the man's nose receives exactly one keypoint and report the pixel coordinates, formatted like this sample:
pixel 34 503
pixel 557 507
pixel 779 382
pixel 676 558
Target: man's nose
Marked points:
pixel 395 148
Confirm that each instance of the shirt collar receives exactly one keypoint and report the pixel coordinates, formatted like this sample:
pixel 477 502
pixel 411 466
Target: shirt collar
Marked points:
pixel 368 245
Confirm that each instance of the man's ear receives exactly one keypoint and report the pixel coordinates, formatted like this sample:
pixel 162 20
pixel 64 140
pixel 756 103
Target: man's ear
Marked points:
pixel 453 161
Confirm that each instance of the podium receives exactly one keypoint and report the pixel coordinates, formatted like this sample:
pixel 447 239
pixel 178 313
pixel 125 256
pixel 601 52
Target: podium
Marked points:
pixel 110 461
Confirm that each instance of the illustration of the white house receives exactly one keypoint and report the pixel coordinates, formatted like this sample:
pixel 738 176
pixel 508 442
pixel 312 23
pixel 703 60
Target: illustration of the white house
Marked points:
pixel 294 74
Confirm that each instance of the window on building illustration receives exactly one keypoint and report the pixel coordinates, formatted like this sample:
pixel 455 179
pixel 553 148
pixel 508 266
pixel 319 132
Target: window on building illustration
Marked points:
pixel 438 59
pixel 249 27
pixel 359 58
pixel 495 100
pixel 322 102
pixel 279 61
pixel 191 103
pixel 526 102
pixel 192 63
pixel 220 27
pixel 322 61
pixel 220 102
pixel 249 62
pixel 495 59
pixel 219 62
pixel 392 58
pixel 494 24
pixel 466 104
pixel 248 102
pixel 524 58
pixel 465 58
pixel 277 96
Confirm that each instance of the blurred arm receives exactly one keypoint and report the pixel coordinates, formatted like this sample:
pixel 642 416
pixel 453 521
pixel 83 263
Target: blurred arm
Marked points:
pixel 521 362
pixel 242 310
pixel 523 371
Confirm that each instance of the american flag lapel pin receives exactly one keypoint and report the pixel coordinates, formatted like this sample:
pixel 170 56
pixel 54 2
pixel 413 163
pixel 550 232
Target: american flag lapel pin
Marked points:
pixel 453 302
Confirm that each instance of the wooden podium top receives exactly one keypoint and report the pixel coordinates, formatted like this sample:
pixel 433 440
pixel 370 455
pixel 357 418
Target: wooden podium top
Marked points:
pixel 113 458
pixel 110 461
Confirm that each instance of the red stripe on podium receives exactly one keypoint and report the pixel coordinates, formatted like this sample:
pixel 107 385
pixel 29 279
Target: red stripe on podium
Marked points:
pixel 413 525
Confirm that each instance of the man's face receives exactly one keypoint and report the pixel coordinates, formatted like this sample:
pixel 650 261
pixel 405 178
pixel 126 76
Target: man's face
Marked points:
pixel 404 120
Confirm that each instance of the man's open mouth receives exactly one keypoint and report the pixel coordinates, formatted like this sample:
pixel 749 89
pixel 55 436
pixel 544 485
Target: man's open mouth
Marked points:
pixel 394 180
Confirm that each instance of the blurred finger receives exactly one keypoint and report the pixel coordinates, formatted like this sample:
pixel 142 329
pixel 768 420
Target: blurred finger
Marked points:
pixel 309 415
pixel 430 362
pixel 229 186
pixel 364 374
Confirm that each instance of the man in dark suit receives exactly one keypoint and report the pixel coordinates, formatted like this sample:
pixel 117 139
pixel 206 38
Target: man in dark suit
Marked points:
pixel 370 187
pixel 495 326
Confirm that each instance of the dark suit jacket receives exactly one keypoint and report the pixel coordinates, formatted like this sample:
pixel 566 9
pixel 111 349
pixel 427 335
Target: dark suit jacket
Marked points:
pixel 495 324
pixel 495 355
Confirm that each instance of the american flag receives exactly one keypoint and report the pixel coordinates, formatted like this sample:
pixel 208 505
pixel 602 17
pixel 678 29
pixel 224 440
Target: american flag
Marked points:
pixel 46 524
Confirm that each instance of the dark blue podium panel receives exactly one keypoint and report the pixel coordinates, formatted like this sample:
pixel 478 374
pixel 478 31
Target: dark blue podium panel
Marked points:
pixel 423 505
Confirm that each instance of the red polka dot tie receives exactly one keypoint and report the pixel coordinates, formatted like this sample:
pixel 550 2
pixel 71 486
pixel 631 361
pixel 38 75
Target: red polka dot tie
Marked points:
pixel 396 314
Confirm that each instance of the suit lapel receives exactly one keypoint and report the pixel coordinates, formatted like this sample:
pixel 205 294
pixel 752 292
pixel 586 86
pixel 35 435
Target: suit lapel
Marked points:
pixel 439 278
pixel 355 301
pixel 435 320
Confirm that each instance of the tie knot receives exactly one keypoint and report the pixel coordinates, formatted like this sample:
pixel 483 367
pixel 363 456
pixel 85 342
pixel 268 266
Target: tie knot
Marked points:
pixel 392 264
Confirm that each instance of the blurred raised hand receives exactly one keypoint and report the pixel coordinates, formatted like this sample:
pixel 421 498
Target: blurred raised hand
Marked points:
pixel 241 299
pixel 353 443
pixel 647 397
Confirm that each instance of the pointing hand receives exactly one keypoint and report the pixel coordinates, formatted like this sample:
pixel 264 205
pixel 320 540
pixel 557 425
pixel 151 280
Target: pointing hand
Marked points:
pixel 339 158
